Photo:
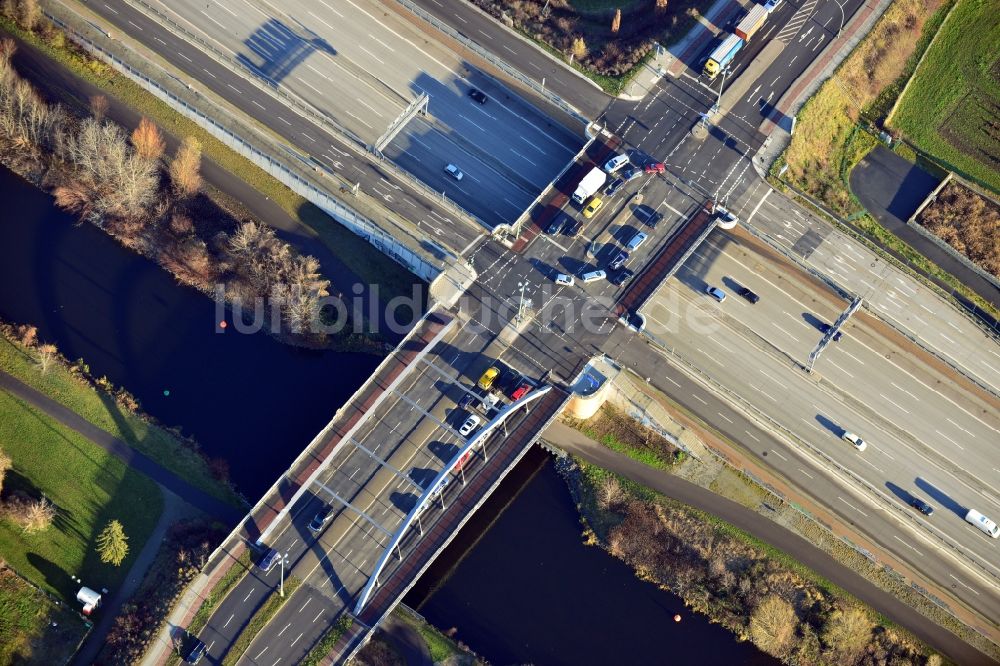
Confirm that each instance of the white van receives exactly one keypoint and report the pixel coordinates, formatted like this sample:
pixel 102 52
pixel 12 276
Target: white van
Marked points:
pixel 983 523
pixel 593 276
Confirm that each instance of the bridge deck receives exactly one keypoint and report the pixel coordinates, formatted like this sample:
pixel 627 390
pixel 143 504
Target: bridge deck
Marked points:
pixel 667 261
pixel 399 580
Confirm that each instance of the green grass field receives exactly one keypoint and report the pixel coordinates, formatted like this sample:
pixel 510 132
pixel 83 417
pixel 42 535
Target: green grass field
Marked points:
pixel 98 408
pixel 88 486
pixel 950 109
pixel 26 631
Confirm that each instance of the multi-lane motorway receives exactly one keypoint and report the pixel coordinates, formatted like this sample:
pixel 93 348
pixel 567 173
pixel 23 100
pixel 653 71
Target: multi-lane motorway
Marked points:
pixel 931 433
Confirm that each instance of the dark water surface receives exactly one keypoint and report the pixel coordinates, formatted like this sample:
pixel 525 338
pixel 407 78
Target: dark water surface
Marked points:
pixel 246 398
pixel 531 592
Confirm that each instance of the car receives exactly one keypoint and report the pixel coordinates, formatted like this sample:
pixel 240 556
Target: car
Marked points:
pixel 565 280
pixel 648 216
pixel 454 172
pixel 623 277
pixel 858 443
pixel 556 225
pixel 491 401
pixel 478 95
pixel 469 425
pixel 321 518
pixel 521 391
pixel 270 558
pixel 486 381
pixel 771 5
pixel 618 261
pixel 468 401
pixel 921 506
pixel 636 241
pixel 572 228
pixel 592 207
pixel 615 163
pixel 749 295
pixel 655 167
pixel 826 328
pixel 727 219
pixel 716 293
pixel 631 173
pixel 593 276
pixel 613 187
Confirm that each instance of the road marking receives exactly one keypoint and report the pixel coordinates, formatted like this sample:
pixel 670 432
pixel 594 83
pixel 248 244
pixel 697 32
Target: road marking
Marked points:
pixel 305 604
pixel 964 585
pixel 372 55
pixel 230 619
pixel 946 338
pixel 872 465
pixel 843 371
pixel 725 417
pixel 853 356
pixel 286 627
pixel 284 121
pixel 248 594
pixel 135 26
pixel 757 388
pixel 296 639
pixel 487 36
pixel 262 652
pixel 699 399
pixel 751 436
pixel 772 378
pixel 784 331
pixel 672 382
pixel 900 388
pixel 184 56
pixel 258 104
pixel 959 427
pixel 322 610
pixel 908 545
pixel 779 455
pixel 806 473
pixel 852 506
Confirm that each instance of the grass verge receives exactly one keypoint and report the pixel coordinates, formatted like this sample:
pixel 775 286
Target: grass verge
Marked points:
pixel 101 409
pixel 440 646
pixel 259 621
pixel 34 629
pixel 623 434
pixel 949 108
pixel 358 255
pixel 219 591
pixel 329 640
pixel 88 486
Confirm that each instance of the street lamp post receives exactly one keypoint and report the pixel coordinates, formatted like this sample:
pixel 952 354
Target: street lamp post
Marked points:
pixel 284 558
pixel 520 302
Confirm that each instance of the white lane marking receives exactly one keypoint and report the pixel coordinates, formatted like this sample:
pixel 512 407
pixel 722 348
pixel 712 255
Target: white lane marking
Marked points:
pixel 964 585
pixel 779 455
pixel 230 619
pixel 751 436
pixel 296 639
pixel 907 545
pixel 806 473
pixel 248 594
pixel 305 604
pixel 725 417
pixel 286 627
pixel 698 399
pixel 950 439
pixel 852 506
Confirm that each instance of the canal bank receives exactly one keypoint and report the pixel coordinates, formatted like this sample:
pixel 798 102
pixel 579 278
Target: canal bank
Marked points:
pixel 522 587
pixel 250 401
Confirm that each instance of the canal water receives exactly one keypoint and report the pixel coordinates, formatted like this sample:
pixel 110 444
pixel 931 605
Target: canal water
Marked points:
pixel 530 591
pixel 524 588
pixel 248 399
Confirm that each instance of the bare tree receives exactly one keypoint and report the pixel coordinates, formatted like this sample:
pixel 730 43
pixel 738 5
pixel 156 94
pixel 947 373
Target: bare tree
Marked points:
pixel 46 357
pixel 31 515
pixel 5 464
pixel 148 141
pixel 8 47
pixel 610 493
pixel 28 14
pixel 185 169
pixel 579 48
pixel 99 106
pixel 616 22
pixel 848 630
pixel 772 625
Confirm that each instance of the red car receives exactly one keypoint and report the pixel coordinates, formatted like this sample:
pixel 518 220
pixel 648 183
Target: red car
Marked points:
pixel 520 392
pixel 461 463
pixel 655 167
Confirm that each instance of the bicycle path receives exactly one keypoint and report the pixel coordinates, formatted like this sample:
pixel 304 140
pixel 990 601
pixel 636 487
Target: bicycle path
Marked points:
pixel 575 442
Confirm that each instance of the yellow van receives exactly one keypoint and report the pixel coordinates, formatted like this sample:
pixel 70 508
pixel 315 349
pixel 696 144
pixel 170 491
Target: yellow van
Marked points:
pixel 486 381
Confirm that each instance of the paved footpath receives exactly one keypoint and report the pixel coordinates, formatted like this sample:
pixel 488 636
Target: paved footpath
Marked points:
pixel 169 481
pixel 939 638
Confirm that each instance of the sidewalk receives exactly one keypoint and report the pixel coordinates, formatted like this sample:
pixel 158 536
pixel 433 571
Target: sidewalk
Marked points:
pixel 165 478
pixel 574 442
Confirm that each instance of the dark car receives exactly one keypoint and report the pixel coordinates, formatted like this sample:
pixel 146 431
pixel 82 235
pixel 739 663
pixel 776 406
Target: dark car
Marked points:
pixel 618 261
pixel 631 173
pixel 572 228
pixel 321 518
pixel 613 187
pixel 556 225
pixel 193 649
pixel 921 506
pixel 826 328
pixel 622 277
pixel 468 400
pixel 748 294
pixel 269 560
pixel 478 95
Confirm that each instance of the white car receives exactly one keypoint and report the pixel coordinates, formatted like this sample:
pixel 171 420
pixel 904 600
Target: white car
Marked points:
pixel 454 172
pixel 469 425
pixel 858 443
pixel 566 280
pixel 616 163
pixel 716 293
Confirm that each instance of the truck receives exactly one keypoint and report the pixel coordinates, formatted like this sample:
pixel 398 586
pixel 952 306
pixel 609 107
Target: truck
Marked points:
pixel 590 184
pixel 751 23
pixel 722 56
